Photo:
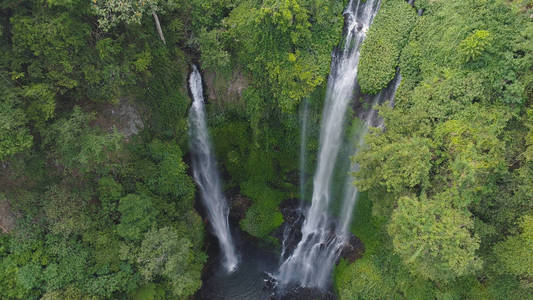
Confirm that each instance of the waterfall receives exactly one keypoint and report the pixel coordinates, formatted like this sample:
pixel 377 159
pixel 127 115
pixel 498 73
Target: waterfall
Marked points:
pixel 206 174
pixel 371 119
pixel 303 146
pixel 288 230
pixel 322 240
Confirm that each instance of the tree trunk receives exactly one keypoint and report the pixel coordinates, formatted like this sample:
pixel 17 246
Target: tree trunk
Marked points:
pixel 158 26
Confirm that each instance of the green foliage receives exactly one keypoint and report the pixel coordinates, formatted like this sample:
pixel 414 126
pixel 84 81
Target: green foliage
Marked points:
pixel 261 219
pixel 111 13
pixel 41 102
pixel 450 175
pixel 8 272
pixel 14 136
pixel 433 239
pixel 66 211
pixel 137 216
pixel 165 96
pixel 263 216
pixel 232 146
pixel 109 193
pixel 488 41
pixel 213 54
pixel 285 44
pixel 365 284
pixel 55 42
pixel 381 49
pixel 69 264
pixel 70 293
pixel 81 147
pixel 171 178
pixel 474 45
pixel 406 164
pixel 143 61
pixel 150 291
pixel 513 255
pixel 164 252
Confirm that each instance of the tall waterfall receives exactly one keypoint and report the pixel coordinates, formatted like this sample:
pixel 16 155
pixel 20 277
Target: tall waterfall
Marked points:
pixel 311 263
pixel 206 174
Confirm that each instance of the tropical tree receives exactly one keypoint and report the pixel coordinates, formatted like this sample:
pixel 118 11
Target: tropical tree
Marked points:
pixel 434 239
pixel 137 216
pixel 166 252
pixel 112 12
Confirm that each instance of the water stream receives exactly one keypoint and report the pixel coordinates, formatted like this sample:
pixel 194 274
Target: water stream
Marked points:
pixel 321 235
pixel 311 263
pixel 206 174
pixel 303 147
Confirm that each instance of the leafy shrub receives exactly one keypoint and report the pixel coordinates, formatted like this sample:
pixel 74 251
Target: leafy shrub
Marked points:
pixel 264 215
pixel 138 215
pixel 381 49
pixel 475 44
pixel 434 239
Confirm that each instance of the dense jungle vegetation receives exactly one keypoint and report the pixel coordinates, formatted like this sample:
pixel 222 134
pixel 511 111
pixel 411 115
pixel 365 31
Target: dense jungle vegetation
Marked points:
pixel 97 199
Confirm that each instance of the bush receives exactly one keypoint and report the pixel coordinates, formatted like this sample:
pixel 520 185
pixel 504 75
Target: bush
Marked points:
pixel 138 215
pixel 381 49
pixel 264 215
pixel 474 45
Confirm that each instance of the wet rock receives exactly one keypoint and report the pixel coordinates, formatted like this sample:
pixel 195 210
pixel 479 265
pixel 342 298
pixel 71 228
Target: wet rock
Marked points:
pixel 303 293
pixel 270 283
pixel 295 292
pixel 293 216
pixel 239 204
pixel 353 250
pixel 290 233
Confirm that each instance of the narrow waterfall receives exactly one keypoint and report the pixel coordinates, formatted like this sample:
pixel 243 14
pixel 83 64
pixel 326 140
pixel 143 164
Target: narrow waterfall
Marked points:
pixel 311 262
pixel 371 119
pixel 304 115
pixel 303 146
pixel 206 174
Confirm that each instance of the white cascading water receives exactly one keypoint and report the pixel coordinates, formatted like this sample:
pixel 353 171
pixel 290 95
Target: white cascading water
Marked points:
pixel 311 263
pixel 206 174
pixel 303 146
pixel 303 152
pixel 370 119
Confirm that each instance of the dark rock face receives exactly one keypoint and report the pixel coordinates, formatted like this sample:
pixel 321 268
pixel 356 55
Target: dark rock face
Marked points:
pixel 295 292
pixel 301 293
pixel 290 233
pixel 353 250
pixel 288 206
pixel 238 206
